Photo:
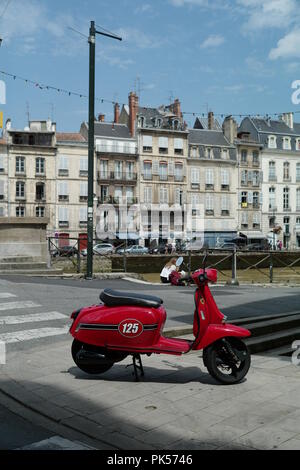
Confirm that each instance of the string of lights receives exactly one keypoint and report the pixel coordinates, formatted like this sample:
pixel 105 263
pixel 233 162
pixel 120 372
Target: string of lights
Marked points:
pixel 43 86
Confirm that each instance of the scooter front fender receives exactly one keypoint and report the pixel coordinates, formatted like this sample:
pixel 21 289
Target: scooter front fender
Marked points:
pixel 215 332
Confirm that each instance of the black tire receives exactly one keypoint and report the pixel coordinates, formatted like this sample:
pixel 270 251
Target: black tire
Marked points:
pixel 218 365
pixel 89 369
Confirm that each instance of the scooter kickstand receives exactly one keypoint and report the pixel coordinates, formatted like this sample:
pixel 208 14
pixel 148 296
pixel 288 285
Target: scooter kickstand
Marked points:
pixel 137 367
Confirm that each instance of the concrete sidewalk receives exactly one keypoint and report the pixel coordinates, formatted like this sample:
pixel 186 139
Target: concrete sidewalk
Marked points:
pixel 176 406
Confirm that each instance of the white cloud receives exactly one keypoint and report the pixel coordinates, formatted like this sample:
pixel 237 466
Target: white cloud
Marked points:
pixel 214 40
pixel 143 8
pixel 215 4
pixel 262 14
pixel 287 47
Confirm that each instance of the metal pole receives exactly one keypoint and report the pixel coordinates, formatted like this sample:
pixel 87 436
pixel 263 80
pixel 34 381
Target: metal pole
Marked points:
pixel 89 273
pixel 190 263
pixel 233 281
pixel 271 268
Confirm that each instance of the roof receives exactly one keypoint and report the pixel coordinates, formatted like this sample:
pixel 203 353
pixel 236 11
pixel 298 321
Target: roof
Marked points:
pixel 167 117
pixel 69 137
pixel 213 139
pixel 110 129
pixel 202 123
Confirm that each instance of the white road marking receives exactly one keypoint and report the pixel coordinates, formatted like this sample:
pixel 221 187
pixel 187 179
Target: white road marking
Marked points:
pixel 26 335
pixel 31 318
pixel 13 305
pixel 6 295
pixel 57 443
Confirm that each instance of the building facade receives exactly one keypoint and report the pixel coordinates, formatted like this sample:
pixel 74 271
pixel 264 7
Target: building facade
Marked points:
pixel 280 141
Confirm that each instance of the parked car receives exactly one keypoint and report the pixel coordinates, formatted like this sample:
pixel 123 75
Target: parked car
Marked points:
pixel 227 246
pixel 254 247
pixel 158 249
pixel 100 249
pixel 67 250
pixel 137 250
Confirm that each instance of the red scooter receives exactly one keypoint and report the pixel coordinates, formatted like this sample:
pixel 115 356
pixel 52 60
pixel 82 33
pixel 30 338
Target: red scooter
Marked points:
pixel 132 324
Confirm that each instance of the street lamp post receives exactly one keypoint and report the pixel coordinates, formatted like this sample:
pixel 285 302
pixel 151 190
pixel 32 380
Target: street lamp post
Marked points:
pixel 92 41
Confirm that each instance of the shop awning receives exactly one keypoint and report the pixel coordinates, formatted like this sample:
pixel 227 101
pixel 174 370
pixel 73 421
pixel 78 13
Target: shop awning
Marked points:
pixel 253 234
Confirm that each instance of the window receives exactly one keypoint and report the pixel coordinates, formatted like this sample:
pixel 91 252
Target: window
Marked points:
pixel 63 166
pixel 163 171
pixel 256 199
pixel 147 143
pixel 244 199
pixel 298 172
pixel 244 219
pixel 118 193
pixel 244 155
pixel 148 194
pixel 298 199
pixel 20 211
pixel 209 178
pixel 40 166
pixel 224 179
pixel 224 154
pixel 244 178
pixel 40 211
pixel 286 171
pixel 225 204
pixel 129 170
pixel 129 195
pixel 103 169
pixel 286 143
pixel 163 195
pixel 83 169
pixel 209 204
pixel 63 217
pixel 175 124
pixel 163 143
pixel 178 196
pixel 1 163
pixel 194 152
pixel 147 170
pixel 83 196
pixel 272 205
pixel 255 178
pixel 256 220
pixel 255 156
pixel 20 165
pixel 63 193
pixel 82 216
pixel 195 178
pixel 209 153
pixel 286 198
pixel 272 222
pixel 20 189
pixel 118 169
pixel 1 190
pixel 272 171
pixel 141 121
pixel 286 221
pixel 178 174
pixel 40 192
pixel 103 194
pixel 272 142
pixel 178 146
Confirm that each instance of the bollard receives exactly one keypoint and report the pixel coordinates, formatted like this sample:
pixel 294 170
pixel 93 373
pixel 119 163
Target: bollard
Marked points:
pixel 125 257
pixel 271 268
pixel 49 254
pixel 78 257
pixel 233 281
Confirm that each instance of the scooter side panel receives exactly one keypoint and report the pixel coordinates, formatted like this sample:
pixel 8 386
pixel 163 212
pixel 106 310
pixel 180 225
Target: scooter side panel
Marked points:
pixel 215 332
pixel 119 326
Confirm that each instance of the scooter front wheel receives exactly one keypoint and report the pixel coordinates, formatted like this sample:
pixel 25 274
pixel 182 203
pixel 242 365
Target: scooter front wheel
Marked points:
pixel 93 368
pixel 227 360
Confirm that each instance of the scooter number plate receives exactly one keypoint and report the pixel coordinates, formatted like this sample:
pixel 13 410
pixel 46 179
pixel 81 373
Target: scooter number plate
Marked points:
pixel 130 328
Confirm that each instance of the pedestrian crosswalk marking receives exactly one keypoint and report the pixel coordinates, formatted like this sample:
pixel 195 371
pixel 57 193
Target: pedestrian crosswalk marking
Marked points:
pixel 31 318
pixel 26 335
pixel 6 295
pixel 13 305
pixel 57 443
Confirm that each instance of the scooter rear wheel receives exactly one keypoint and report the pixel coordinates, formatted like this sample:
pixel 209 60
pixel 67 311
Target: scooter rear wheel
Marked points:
pixel 88 368
pixel 221 367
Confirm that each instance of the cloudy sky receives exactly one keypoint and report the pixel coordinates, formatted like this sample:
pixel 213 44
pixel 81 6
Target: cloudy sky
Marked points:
pixel 237 56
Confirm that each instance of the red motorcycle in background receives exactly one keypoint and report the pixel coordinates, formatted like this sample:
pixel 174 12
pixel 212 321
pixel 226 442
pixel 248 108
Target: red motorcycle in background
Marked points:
pixel 132 324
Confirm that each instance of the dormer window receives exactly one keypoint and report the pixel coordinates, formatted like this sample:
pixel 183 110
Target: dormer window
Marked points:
pixel 158 122
pixel 175 124
pixel 209 153
pixel 224 154
pixel 298 144
pixel 286 143
pixel 141 121
pixel 272 142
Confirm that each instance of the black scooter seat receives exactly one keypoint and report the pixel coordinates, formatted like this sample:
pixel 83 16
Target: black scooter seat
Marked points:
pixel 113 298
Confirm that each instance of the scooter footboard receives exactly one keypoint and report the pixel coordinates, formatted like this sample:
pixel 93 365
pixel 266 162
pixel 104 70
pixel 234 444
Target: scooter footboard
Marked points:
pixel 215 332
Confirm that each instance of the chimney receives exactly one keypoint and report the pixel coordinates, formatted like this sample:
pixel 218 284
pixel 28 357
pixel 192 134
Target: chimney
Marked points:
pixel 230 129
pixel 116 113
pixel 177 108
pixel 211 120
pixel 288 118
pixel 101 117
pixel 133 109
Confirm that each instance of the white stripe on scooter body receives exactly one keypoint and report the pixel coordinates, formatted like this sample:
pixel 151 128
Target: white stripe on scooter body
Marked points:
pixel 26 335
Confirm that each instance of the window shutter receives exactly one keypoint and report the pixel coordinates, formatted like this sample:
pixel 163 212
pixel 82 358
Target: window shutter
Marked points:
pixel 250 176
pixel 177 196
pixel 250 197
pixel 225 177
pixel 84 164
pixel 1 161
pixel 83 188
pixel 83 214
pixel 225 203
pixel 63 214
pixel 63 163
pixel 2 188
pixel 240 198
pixel 178 144
pixel 261 197
pixel 163 142
pixel 171 169
pixel 147 141
pixel 209 176
pixel 155 168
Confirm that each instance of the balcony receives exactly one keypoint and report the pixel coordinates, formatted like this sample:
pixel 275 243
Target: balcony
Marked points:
pixel 123 150
pixel 272 178
pixel 163 150
pixel 225 187
pixel 225 212
pixel 22 174
pixel 83 198
pixel 209 186
pixel 287 209
pixel 255 163
pixel 178 178
pixel 209 212
pixel 63 223
pixel 272 208
pixel 63 197
pixel 195 185
pixel 117 176
pixel 147 176
pixel 83 173
pixel 116 200
pixel 163 177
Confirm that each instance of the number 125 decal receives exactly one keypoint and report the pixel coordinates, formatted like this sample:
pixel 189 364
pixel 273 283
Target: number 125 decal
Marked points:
pixel 130 328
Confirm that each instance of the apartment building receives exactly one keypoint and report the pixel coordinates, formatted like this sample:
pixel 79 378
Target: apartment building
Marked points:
pixel 280 141
pixel 162 140
pixel 212 182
